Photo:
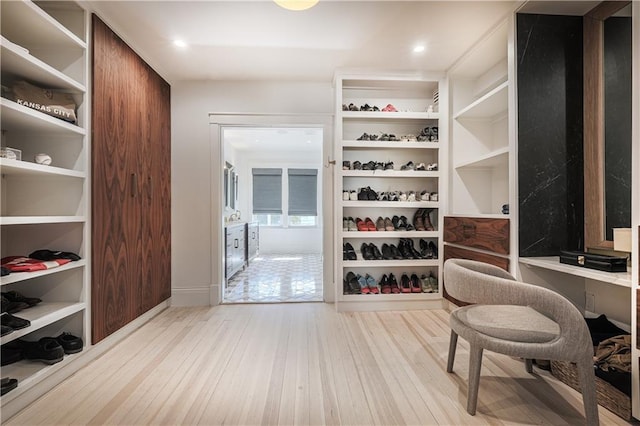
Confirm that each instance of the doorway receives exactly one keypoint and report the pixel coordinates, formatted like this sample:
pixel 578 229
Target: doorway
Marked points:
pixel 273 179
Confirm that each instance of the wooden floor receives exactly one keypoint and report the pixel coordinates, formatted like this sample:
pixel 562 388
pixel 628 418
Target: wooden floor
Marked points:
pixel 299 364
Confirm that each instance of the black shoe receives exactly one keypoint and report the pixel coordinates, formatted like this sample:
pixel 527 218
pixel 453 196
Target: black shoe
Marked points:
pixel 427 249
pixel 70 343
pixel 367 252
pixel 10 352
pixel 352 281
pixel 387 254
pixel 415 253
pixel 14 322
pixel 11 307
pixel 405 284
pixel 372 195
pixel 7 384
pixel 349 252
pixel 376 252
pixel 5 330
pixel 404 249
pixel 14 296
pixel 434 249
pixel 46 350
pixel 395 252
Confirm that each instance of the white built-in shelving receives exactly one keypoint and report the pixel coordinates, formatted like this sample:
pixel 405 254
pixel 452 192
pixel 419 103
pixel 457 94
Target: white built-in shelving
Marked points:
pixel 45 206
pixel 412 95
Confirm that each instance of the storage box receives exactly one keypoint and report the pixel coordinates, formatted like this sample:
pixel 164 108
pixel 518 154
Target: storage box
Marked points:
pixel 10 153
pixel 594 261
pixel 607 395
pixel 622 239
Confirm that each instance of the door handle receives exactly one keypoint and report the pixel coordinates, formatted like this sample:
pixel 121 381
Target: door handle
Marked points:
pixel 134 184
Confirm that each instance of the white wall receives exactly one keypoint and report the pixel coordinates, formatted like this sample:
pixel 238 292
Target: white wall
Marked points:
pixel 191 168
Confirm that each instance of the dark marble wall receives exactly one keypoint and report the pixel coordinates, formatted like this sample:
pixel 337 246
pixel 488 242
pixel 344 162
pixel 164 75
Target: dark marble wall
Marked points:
pixel 550 154
pixel 617 131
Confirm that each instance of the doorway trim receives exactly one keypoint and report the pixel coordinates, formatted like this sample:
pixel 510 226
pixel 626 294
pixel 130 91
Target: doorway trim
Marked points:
pixel 218 121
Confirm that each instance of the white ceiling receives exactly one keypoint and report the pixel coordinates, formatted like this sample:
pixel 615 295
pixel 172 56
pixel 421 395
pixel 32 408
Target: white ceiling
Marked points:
pixel 258 40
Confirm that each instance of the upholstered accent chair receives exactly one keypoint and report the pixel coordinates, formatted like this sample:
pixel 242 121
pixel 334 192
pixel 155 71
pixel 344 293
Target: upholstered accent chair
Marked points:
pixel 516 319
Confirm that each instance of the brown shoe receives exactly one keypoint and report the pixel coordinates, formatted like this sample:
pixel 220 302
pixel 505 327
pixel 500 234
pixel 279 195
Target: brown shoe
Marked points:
pixel 418 222
pixel 380 224
pixel 427 220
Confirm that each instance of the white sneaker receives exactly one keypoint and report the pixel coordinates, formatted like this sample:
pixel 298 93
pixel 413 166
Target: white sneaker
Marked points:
pixel 345 195
pixel 433 196
pixel 353 196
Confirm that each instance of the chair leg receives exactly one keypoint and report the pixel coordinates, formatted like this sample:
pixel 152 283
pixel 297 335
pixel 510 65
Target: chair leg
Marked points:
pixel 453 341
pixel 475 365
pixel 588 386
pixel 528 365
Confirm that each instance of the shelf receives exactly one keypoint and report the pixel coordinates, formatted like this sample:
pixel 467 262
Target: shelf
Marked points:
pixel 480 215
pixel 390 144
pixel 389 297
pixel 390 173
pixel 390 234
pixel 20 118
pixel 30 373
pixel 622 279
pixel 42 315
pixel 35 220
pixel 20 63
pixel 25 168
pixel 488 106
pixel 499 157
pixel 26 24
pixel 15 277
pixel 400 204
pixel 377 115
pixel 403 263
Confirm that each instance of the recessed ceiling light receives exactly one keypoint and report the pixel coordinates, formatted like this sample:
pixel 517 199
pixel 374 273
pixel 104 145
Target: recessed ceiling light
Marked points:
pixel 296 4
pixel 179 43
pixel 419 48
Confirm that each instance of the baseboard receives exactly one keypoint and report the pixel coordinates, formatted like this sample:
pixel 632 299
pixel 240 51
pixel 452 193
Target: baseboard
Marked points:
pixel 372 306
pixel 12 402
pixel 193 296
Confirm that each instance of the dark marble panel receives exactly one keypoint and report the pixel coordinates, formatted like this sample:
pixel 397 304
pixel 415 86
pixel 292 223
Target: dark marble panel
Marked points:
pixel 550 155
pixel 617 132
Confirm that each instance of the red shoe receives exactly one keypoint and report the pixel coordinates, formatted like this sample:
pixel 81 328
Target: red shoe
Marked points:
pixel 385 287
pixel 370 225
pixel 416 285
pixel 390 108
pixel 405 282
pixel 394 284
pixel 361 225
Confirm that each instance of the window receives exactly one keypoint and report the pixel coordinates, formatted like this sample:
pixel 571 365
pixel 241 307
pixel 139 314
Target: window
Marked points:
pixel 301 199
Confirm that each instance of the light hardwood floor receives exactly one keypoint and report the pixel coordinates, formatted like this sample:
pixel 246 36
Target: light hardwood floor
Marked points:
pixel 300 364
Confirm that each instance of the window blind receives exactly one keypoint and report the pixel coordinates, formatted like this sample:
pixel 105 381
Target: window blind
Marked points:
pixel 303 188
pixel 267 191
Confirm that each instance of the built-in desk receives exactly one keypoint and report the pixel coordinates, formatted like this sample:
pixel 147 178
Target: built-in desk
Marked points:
pixel 622 279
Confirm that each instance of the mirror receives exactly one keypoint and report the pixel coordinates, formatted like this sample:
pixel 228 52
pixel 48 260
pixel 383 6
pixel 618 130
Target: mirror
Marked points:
pixel 230 186
pixel 607 122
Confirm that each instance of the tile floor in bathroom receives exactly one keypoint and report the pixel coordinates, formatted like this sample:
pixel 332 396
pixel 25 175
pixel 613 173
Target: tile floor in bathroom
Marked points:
pixel 277 278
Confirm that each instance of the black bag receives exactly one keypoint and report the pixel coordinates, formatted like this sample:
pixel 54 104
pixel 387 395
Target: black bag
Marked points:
pixel 594 261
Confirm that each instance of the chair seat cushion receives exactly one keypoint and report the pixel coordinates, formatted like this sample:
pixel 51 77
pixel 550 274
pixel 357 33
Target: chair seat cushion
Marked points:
pixel 508 322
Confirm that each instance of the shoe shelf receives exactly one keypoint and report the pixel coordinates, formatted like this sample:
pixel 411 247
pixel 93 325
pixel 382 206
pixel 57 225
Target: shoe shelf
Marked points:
pixel 489 106
pixel 403 204
pixel 404 263
pixel 16 61
pixel 390 297
pixel 35 220
pixel 497 158
pixel 15 277
pixel 389 234
pixel 41 316
pixel 29 373
pixel 390 144
pixel 18 118
pixel 390 173
pixel 383 115
pixel 26 168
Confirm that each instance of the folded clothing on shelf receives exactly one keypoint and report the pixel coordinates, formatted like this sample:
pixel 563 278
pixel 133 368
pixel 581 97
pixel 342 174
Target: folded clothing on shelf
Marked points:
pixel 27 264
pixel 46 254
pixel 56 104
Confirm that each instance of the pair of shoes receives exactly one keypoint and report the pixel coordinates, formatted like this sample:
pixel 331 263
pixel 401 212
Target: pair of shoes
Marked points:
pixel 389 108
pixel 407 250
pixel 348 195
pixel 415 284
pixel 370 252
pixel 390 252
pixel 429 283
pixel 428 249
pixel 12 301
pixel 408 166
pixel 422 220
pixel 365 225
pixel 348 253
pixel 429 134
pixel 427 196
pixel 408 138
pixel 348 224
pixel 388 137
pixel 432 167
pixel 346 165
pixel 7 384
pixel 400 223
pixel 367 194
pixel 367 137
pixel 351 284
pixel 13 322
pixel 388 284
pixel 50 350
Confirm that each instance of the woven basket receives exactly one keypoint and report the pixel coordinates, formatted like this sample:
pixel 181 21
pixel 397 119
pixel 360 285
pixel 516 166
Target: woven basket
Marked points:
pixel 608 396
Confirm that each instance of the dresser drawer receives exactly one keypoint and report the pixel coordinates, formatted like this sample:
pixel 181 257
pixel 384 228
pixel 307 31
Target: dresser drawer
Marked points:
pixel 481 233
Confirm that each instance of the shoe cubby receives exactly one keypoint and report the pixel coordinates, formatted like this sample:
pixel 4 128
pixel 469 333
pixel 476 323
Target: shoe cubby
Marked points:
pixel 44 198
pixel 391 166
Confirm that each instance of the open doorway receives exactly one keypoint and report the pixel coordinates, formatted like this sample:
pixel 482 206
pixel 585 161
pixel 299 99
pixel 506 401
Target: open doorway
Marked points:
pixel 272 213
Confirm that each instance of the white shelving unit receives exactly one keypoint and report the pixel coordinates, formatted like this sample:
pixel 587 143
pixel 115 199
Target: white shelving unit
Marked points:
pixel 482 150
pixel 45 207
pixel 411 95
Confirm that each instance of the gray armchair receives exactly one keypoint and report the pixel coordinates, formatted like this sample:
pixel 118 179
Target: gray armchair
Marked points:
pixel 516 319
